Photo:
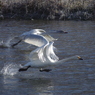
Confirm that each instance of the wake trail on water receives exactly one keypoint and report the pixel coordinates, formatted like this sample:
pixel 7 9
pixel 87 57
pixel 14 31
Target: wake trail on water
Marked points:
pixel 11 69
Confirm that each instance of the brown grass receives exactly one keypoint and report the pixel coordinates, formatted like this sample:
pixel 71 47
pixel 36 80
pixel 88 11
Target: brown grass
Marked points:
pixel 48 9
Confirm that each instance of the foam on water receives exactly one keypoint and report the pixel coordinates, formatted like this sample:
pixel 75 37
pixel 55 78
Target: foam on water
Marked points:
pixel 5 44
pixel 10 69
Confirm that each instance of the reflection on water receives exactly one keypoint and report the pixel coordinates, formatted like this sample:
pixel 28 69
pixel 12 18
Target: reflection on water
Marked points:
pixel 71 78
pixel 25 86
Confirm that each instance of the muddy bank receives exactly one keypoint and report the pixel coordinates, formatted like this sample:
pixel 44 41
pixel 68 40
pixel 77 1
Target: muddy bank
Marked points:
pixel 49 10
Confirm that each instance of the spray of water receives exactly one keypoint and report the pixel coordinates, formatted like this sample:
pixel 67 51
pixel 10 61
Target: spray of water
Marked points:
pixel 5 44
pixel 10 69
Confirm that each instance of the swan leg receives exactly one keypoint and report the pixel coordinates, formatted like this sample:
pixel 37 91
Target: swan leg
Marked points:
pixel 45 70
pixel 16 43
pixel 24 69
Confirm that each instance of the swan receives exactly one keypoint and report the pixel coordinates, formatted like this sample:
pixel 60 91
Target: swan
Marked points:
pixel 29 37
pixel 45 56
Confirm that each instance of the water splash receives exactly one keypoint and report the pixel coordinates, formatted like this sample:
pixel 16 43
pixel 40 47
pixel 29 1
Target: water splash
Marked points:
pixel 5 44
pixel 10 69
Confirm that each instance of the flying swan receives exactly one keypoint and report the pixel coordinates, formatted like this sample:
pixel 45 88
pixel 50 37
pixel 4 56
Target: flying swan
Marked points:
pixel 29 37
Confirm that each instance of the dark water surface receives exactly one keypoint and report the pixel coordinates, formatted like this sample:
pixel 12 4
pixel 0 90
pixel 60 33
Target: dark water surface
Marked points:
pixel 75 77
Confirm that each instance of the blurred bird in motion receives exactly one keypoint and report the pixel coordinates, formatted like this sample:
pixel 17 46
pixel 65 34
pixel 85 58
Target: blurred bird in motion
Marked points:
pixel 44 55
pixel 34 37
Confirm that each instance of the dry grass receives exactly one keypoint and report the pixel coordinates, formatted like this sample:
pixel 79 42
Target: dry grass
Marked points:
pixel 48 9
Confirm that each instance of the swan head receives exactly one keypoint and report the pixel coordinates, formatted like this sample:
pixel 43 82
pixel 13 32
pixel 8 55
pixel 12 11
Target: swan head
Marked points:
pixel 80 58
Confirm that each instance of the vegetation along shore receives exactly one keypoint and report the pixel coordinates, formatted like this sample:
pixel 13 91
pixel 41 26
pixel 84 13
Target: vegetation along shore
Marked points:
pixel 48 9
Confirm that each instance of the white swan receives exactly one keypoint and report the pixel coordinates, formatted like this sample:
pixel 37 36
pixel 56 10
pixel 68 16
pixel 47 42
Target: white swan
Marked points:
pixel 29 37
pixel 45 56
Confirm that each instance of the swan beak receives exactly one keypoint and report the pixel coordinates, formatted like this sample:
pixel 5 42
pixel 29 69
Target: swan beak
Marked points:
pixel 80 58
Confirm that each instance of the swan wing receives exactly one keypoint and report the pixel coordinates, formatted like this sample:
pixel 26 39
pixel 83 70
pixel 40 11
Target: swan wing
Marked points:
pixel 38 54
pixel 36 40
pixel 49 38
pixel 50 54
pixel 34 31
pixel 44 54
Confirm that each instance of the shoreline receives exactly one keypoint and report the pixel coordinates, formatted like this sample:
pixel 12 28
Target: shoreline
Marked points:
pixel 48 10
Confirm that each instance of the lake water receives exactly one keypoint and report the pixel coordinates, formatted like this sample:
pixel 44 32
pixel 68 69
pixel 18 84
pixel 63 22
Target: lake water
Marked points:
pixel 75 77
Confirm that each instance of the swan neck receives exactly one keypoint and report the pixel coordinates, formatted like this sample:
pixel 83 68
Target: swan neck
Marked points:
pixel 67 59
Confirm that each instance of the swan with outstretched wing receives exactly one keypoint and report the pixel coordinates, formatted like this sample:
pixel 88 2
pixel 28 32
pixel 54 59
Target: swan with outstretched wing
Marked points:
pixel 45 56
pixel 29 37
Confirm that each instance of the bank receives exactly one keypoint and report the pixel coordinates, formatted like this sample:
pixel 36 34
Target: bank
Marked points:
pixel 48 9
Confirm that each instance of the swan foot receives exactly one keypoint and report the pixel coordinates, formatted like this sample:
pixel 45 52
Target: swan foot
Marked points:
pixel 24 69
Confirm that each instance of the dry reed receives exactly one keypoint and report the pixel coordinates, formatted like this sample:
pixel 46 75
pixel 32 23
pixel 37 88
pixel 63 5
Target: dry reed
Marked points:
pixel 48 9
